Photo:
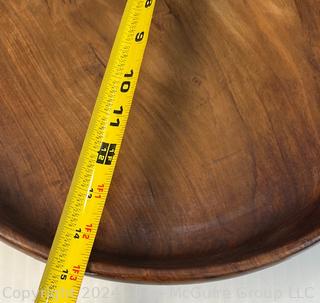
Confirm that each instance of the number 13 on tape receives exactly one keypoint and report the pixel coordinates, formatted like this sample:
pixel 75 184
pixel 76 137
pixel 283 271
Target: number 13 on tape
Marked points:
pixel 72 245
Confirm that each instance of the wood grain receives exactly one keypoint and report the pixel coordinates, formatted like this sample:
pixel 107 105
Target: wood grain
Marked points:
pixel 220 167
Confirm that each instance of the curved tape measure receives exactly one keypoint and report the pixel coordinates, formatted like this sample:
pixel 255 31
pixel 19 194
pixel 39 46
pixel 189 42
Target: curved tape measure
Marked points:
pixel 81 215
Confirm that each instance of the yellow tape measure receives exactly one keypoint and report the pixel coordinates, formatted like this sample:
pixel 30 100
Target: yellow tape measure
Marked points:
pixel 81 215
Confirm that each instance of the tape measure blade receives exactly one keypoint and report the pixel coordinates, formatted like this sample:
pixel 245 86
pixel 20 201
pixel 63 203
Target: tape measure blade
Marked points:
pixel 82 212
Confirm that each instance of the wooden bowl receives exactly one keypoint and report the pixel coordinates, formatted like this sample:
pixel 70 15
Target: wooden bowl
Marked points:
pixel 220 167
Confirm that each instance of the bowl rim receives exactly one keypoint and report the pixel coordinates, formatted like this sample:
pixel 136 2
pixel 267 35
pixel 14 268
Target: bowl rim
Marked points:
pixel 149 275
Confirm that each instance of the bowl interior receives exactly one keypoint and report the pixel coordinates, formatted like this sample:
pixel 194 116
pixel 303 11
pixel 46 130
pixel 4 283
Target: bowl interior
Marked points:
pixel 219 170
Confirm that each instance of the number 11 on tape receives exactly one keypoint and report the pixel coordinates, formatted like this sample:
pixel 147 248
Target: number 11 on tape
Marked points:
pixel 73 242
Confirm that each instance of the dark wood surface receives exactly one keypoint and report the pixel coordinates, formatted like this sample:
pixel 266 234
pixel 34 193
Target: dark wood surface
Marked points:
pixel 220 167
